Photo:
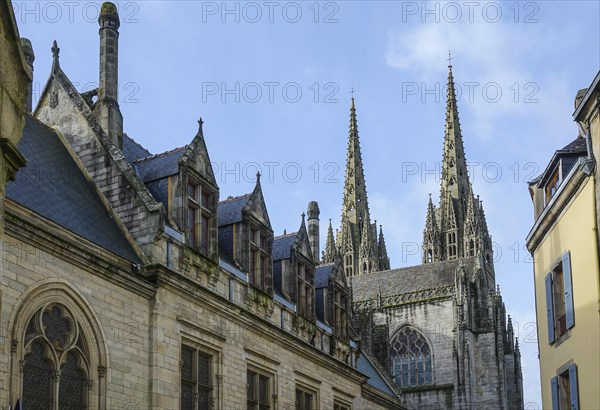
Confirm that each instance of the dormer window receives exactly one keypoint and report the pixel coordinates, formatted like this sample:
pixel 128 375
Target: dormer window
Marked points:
pixel 305 291
pixel 200 217
pixel 339 311
pixel 552 185
pixel 259 258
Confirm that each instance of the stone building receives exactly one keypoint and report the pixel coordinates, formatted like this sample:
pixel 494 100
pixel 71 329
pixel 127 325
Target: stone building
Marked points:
pixel 127 284
pixel 439 329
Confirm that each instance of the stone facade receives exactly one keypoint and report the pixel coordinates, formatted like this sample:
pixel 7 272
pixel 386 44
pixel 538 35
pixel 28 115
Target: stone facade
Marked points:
pixel 121 291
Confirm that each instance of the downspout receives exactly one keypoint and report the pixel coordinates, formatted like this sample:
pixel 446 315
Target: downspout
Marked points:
pixel 588 168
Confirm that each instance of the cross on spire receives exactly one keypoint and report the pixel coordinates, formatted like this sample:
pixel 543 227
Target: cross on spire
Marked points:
pixel 449 59
pixel 352 91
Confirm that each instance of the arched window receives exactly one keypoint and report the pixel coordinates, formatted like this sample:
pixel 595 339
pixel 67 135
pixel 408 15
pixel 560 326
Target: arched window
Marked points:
pixel 410 357
pixel 471 248
pixel 429 256
pixel 452 254
pixel 56 363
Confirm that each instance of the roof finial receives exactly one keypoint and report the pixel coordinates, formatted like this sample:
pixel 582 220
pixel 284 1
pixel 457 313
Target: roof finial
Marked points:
pixel 200 123
pixel 55 52
pixel 449 59
pixel 258 177
pixel 303 216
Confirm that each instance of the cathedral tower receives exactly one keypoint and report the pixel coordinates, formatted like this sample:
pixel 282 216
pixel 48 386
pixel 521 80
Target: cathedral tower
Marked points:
pixel 458 227
pixel 357 241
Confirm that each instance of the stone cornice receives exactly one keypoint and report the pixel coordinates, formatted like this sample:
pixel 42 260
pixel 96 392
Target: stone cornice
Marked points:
pixel 425 295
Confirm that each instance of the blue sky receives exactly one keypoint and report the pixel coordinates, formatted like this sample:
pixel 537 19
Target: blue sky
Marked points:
pixel 272 82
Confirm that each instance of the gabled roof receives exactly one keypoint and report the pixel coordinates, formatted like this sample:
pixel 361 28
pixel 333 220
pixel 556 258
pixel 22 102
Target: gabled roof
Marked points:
pixel 407 280
pixel 159 166
pixel 322 274
pixel 230 210
pixel 53 186
pixel 133 150
pixel 282 246
pixel 577 146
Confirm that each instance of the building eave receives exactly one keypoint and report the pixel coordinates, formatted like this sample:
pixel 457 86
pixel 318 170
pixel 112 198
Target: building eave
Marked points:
pixel 563 197
pixel 586 98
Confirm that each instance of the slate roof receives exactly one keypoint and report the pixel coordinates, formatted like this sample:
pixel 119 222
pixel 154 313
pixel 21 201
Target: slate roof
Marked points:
pixel 407 280
pixel 366 367
pixel 52 186
pixel 282 246
pixel 322 274
pixel 132 150
pixel 159 166
pixel 230 210
pixel 577 146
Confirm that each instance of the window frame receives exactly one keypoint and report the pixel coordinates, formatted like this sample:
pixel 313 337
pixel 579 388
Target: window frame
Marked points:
pixel 306 392
pixel 197 351
pixel 305 289
pixel 200 209
pixel 559 300
pixel 259 256
pixel 255 403
pixel 552 184
pixel 565 388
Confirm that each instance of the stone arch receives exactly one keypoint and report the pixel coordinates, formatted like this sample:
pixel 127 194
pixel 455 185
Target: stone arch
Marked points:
pixel 411 357
pixel 36 300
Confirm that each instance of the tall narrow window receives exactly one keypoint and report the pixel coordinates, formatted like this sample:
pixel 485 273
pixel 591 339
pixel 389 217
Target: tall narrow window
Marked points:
pixel 200 216
pixel 305 400
pixel 341 406
pixel 559 300
pixel 452 252
pixel 305 291
pixel 340 317
pixel 259 258
pixel 196 379
pixel 564 390
pixel 410 358
pixel 258 390
pixel 55 368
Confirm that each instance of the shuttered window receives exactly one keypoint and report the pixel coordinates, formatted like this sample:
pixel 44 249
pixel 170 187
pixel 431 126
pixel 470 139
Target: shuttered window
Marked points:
pixel 559 299
pixel 564 390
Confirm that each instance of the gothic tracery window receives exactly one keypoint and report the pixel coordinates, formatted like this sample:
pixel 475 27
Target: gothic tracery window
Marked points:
pixel 56 362
pixel 410 357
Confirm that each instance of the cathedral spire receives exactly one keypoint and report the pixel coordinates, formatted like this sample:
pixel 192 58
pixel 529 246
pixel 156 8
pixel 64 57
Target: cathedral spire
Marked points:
pixel 330 251
pixel 431 238
pixel 355 208
pixel 455 180
pixel 382 255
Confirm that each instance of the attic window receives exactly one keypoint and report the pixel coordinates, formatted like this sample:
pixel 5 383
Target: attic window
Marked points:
pixel 200 217
pixel 259 258
pixel 552 185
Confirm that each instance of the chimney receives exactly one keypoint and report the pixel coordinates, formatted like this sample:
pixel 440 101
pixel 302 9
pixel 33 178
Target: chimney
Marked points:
pixel 107 109
pixel 29 59
pixel 313 229
pixel 579 96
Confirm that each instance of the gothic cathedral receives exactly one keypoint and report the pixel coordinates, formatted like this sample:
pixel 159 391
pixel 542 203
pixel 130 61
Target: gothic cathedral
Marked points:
pixel 439 329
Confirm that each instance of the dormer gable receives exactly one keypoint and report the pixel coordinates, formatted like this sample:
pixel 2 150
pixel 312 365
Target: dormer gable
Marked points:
pixel 246 237
pixel 293 270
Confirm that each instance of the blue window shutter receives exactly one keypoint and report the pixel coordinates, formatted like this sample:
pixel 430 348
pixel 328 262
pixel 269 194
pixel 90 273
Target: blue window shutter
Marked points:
pixel 573 387
pixel 554 392
pixel 568 286
pixel 550 308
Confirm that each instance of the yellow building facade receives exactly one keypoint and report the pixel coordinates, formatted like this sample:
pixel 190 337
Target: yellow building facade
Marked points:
pixel 564 244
